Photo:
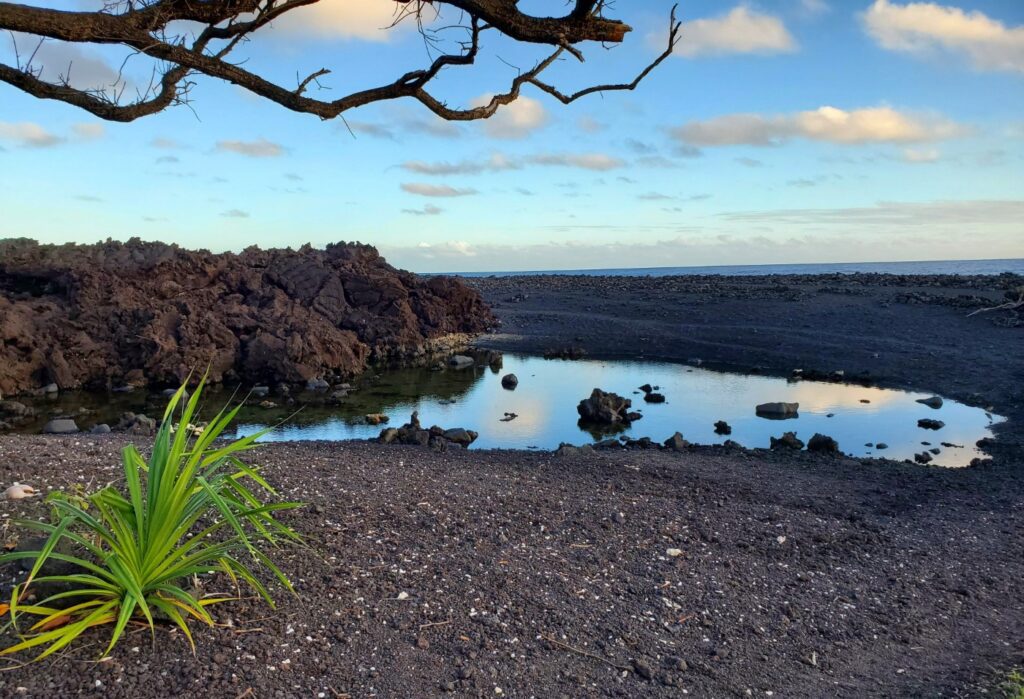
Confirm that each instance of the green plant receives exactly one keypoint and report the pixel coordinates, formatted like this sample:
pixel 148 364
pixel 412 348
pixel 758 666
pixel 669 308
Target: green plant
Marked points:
pixel 191 509
pixel 1013 686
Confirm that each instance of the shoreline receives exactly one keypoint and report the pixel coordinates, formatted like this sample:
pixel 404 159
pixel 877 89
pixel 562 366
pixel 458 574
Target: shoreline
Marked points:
pixel 797 574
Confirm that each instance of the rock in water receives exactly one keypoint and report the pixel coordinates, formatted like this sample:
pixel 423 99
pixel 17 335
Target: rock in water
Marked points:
pixel 61 425
pixel 935 402
pixel 653 397
pixel 823 443
pixel 929 424
pixel 606 409
pixel 778 411
pixel 509 381
pixel 376 419
pixel 722 427
pixel 787 441
pixel 461 361
pixel 259 316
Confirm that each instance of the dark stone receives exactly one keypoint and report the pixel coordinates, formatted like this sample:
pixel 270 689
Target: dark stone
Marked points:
pixel 676 442
pixel 722 427
pixel 509 381
pixel 787 441
pixel 61 425
pixel 606 409
pixel 778 411
pixel 823 443
pixel 929 424
pixel 654 398
pixel 934 402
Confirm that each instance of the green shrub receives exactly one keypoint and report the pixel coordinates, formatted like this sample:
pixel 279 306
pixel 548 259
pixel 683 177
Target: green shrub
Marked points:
pixel 193 508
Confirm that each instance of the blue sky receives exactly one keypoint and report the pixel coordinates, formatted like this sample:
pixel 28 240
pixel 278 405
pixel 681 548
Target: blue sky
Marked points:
pixel 781 131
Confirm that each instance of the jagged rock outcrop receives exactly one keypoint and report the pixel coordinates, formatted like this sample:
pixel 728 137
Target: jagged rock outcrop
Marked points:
pixel 136 313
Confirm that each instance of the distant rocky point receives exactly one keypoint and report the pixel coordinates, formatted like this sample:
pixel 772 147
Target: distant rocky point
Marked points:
pixel 146 314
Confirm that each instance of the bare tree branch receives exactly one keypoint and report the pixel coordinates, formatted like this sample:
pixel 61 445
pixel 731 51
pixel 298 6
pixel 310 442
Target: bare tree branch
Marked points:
pixel 142 26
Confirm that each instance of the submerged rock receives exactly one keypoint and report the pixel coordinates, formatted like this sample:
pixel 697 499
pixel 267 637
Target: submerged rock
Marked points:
pixel 778 411
pixel 61 425
pixel 461 361
pixel 788 440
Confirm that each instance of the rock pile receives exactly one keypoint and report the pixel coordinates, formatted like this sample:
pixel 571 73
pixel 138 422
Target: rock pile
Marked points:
pixel 135 314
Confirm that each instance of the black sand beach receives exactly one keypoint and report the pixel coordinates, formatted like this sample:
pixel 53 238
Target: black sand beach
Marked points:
pixel 713 571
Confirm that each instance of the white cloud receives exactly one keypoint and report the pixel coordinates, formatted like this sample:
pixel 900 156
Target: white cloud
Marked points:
pixel 741 30
pixel 828 124
pixel 920 155
pixel 590 125
pixel 89 132
pixel 341 19
pixel 28 134
pixel 515 120
pixel 496 162
pixel 814 8
pixel 435 190
pixel 261 148
pixel 922 27
pixel 585 161
pixel 428 210
pixel 235 213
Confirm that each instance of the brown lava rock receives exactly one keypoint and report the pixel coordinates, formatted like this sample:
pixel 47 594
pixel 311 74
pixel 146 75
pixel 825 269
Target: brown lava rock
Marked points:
pixel 110 314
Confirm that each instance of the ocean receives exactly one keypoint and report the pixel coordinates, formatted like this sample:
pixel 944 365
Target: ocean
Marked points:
pixel 965 267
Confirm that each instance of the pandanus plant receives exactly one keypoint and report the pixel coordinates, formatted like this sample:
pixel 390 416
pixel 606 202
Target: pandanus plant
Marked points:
pixel 192 508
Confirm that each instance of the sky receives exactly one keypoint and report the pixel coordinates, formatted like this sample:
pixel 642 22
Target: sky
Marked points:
pixel 780 131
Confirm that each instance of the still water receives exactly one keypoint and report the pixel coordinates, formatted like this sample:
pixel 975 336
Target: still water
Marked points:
pixel 548 392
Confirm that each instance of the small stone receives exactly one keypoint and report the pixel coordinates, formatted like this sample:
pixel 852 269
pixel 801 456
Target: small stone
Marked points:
pixel 60 426
pixel 619 518
pixel 929 424
pixel 220 658
pixel 934 402
pixel 643 669
pixel 674 553
pixel 722 427
pixel 422 643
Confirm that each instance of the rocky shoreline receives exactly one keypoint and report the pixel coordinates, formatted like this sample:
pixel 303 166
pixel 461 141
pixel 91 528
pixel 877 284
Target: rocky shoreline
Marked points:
pixel 720 571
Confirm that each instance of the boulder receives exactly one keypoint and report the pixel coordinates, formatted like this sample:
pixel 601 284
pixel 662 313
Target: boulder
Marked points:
pixel 788 440
pixel 388 435
pixel 100 429
pixel 260 391
pixel 722 427
pixel 460 436
pixel 923 458
pixel 653 397
pixel 606 409
pixel 676 442
pixel 135 424
pixel 934 402
pixel 823 443
pixel 509 381
pixel 778 411
pixel 647 388
pixel 565 449
pixel 61 425
pixel 929 424
pixel 13 408
pixel 461 361
pixel 317 385
pixel 376 418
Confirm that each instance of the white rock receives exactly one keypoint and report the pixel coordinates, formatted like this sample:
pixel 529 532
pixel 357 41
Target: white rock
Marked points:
pixel 675 553
pixel 20 492
pixel 403 595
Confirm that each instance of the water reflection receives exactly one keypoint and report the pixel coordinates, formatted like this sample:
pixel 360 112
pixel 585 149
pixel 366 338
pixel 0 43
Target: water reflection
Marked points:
pixel 548 392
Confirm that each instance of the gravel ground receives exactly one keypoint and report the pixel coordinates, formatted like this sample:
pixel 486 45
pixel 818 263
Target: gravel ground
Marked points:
pixel 528 575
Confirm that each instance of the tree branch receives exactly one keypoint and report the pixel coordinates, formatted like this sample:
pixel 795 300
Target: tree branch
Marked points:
pixel 143 27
